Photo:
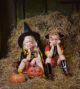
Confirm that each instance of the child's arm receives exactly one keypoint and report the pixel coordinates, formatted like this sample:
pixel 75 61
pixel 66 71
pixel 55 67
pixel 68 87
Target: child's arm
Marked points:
pixel 29 55
pixel 59 50
pixel 38 53
pixel 50 52
pixel 60 53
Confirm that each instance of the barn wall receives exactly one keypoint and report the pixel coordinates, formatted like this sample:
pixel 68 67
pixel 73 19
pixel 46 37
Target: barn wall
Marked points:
pixel 4 26
pixel 12 11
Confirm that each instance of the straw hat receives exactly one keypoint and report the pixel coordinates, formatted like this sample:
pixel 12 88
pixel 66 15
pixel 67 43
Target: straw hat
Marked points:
pixel 54 31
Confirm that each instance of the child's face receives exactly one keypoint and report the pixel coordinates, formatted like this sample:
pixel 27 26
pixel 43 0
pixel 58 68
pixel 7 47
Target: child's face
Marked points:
pixel 54 39
pixel 28 42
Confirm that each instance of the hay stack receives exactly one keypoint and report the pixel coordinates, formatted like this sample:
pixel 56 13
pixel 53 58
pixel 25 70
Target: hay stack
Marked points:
pixel 43 24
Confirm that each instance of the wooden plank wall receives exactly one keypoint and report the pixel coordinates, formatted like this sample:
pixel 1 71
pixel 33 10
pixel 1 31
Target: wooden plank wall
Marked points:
pixel 4 27
pixel 0 42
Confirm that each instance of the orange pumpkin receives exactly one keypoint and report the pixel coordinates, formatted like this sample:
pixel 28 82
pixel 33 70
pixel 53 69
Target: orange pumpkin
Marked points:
pixel 35 71
pixel 17 78
pixel 53 61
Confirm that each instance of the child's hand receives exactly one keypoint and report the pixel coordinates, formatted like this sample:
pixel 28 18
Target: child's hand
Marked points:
pixel 53 44
pixel 58 41
pixel 29 56
pixel 29 50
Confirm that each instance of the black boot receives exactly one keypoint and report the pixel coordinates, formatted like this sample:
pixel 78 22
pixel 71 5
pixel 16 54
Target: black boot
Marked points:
pixel 65 69
pixel 49 71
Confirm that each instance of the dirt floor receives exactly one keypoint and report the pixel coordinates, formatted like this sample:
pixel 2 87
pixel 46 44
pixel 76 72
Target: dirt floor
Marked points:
pixel 71 42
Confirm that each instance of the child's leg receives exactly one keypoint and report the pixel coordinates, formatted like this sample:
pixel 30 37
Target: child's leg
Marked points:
pixel 48 69
pixel 22 65
pixel 37 61
pixel 64 65
pixel 61 58
pixel 48 60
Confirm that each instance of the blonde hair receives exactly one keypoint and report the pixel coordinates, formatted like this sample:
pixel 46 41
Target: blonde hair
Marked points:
pixel 34 42
pixel 54 32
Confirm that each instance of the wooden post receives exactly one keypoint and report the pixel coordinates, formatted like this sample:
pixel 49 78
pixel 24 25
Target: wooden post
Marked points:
pixel 0 42
pixel 20 9
pixel 45 6
pixel 12 15
pixel 24 9
pixel 15 12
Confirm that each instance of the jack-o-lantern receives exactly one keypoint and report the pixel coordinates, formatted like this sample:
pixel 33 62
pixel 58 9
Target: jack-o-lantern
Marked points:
pixel 53 61
pixel 17 78
pixel 35 71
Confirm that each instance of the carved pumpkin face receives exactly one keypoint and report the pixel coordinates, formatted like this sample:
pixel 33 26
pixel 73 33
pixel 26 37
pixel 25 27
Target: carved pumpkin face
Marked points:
pixel 35 72
pixel 17 78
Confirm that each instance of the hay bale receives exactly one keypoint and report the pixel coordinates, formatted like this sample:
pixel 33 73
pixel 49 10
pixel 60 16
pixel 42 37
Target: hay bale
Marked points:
pixel 42 24
pixel 75 31
pixel 75 19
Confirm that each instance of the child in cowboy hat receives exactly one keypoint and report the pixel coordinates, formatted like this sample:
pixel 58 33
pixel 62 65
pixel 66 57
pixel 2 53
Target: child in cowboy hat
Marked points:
pixel 54 51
